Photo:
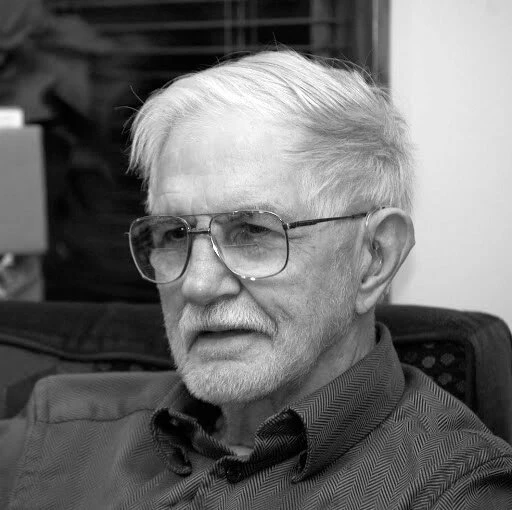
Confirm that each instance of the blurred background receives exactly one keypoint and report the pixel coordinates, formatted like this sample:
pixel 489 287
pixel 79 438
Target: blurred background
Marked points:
pixel 77 69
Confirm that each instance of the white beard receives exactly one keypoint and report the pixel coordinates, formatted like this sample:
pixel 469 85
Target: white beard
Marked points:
pixel 291 349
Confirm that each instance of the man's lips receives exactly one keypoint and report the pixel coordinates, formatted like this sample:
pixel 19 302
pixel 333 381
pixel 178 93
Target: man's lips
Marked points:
pixel 224 333
pixel 224 344
pixel 219 336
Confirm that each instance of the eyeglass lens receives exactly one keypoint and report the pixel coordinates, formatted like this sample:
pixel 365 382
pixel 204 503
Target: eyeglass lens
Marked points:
pixel 250 243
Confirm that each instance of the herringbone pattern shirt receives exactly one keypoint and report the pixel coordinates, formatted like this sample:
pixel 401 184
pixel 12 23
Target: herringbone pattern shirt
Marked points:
pixel 380 436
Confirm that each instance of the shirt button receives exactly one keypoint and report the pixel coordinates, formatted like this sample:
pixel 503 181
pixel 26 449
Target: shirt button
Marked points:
pixel 174 422
pixel 234 474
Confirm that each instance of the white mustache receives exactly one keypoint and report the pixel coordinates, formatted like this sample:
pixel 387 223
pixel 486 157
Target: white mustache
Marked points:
pixel 223 316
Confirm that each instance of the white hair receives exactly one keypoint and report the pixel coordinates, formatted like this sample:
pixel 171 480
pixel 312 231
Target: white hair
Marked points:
pixel 355 143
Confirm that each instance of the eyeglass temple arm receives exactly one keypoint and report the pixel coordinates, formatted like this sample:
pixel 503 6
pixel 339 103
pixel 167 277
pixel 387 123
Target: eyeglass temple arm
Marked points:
pixel 307 223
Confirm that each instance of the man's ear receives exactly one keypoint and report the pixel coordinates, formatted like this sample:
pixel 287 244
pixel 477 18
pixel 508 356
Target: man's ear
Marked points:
pixel 389 239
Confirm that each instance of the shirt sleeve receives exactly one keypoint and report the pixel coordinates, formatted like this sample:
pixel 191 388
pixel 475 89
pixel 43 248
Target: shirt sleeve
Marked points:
pixel 488 487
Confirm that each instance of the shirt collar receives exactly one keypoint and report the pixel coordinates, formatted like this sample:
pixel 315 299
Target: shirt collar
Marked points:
pixel 172 423
pixel 334 418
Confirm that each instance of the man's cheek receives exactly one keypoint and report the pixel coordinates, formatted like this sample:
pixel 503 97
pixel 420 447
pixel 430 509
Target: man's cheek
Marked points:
pixel 170 303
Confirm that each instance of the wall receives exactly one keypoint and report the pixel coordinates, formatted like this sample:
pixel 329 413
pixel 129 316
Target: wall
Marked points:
pixel 451 75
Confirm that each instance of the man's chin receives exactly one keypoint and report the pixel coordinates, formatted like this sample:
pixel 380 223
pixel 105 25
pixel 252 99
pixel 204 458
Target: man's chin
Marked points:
pixel 224 382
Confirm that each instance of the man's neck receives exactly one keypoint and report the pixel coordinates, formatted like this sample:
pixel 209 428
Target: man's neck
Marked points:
pixel 239 421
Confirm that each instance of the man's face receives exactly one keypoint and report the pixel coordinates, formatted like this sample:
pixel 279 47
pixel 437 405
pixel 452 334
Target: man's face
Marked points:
pixel 236 340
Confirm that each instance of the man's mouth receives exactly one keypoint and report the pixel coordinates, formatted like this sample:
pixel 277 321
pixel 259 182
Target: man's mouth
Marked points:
pixel 223 334
pixel 224 344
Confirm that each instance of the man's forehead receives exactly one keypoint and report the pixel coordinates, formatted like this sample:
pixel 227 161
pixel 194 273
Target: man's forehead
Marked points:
pixel 235 164
pixel 165 203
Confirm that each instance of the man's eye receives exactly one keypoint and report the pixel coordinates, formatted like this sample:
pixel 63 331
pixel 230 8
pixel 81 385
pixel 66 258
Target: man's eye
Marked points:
pixel 175 234
pixel 169 236
pixel 256 229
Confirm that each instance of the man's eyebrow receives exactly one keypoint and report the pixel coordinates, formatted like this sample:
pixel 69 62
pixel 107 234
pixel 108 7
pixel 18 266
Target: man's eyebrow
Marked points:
pixel 283 212
pixel 280 210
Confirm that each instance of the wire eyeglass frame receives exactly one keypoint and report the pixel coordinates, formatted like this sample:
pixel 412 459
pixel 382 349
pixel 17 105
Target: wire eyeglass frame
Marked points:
pixel 191 231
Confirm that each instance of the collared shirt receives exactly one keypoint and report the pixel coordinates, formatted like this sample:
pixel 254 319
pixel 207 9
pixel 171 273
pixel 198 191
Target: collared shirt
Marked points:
pixel 380 436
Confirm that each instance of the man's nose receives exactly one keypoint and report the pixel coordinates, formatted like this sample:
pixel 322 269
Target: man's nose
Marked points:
pixel 206 278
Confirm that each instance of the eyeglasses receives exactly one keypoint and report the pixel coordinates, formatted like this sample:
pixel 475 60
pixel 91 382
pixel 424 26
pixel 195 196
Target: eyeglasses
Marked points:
pixel 251 244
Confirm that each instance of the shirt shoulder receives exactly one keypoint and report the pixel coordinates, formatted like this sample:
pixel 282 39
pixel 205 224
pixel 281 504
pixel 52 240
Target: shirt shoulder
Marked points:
pixel 432 410
pixel 431 451
pixel 450 445
pixel 488 486
pixel 74 434
pixel 99 396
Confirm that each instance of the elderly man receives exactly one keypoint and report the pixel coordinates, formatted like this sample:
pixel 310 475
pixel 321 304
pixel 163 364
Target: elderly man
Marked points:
pixel 278 191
